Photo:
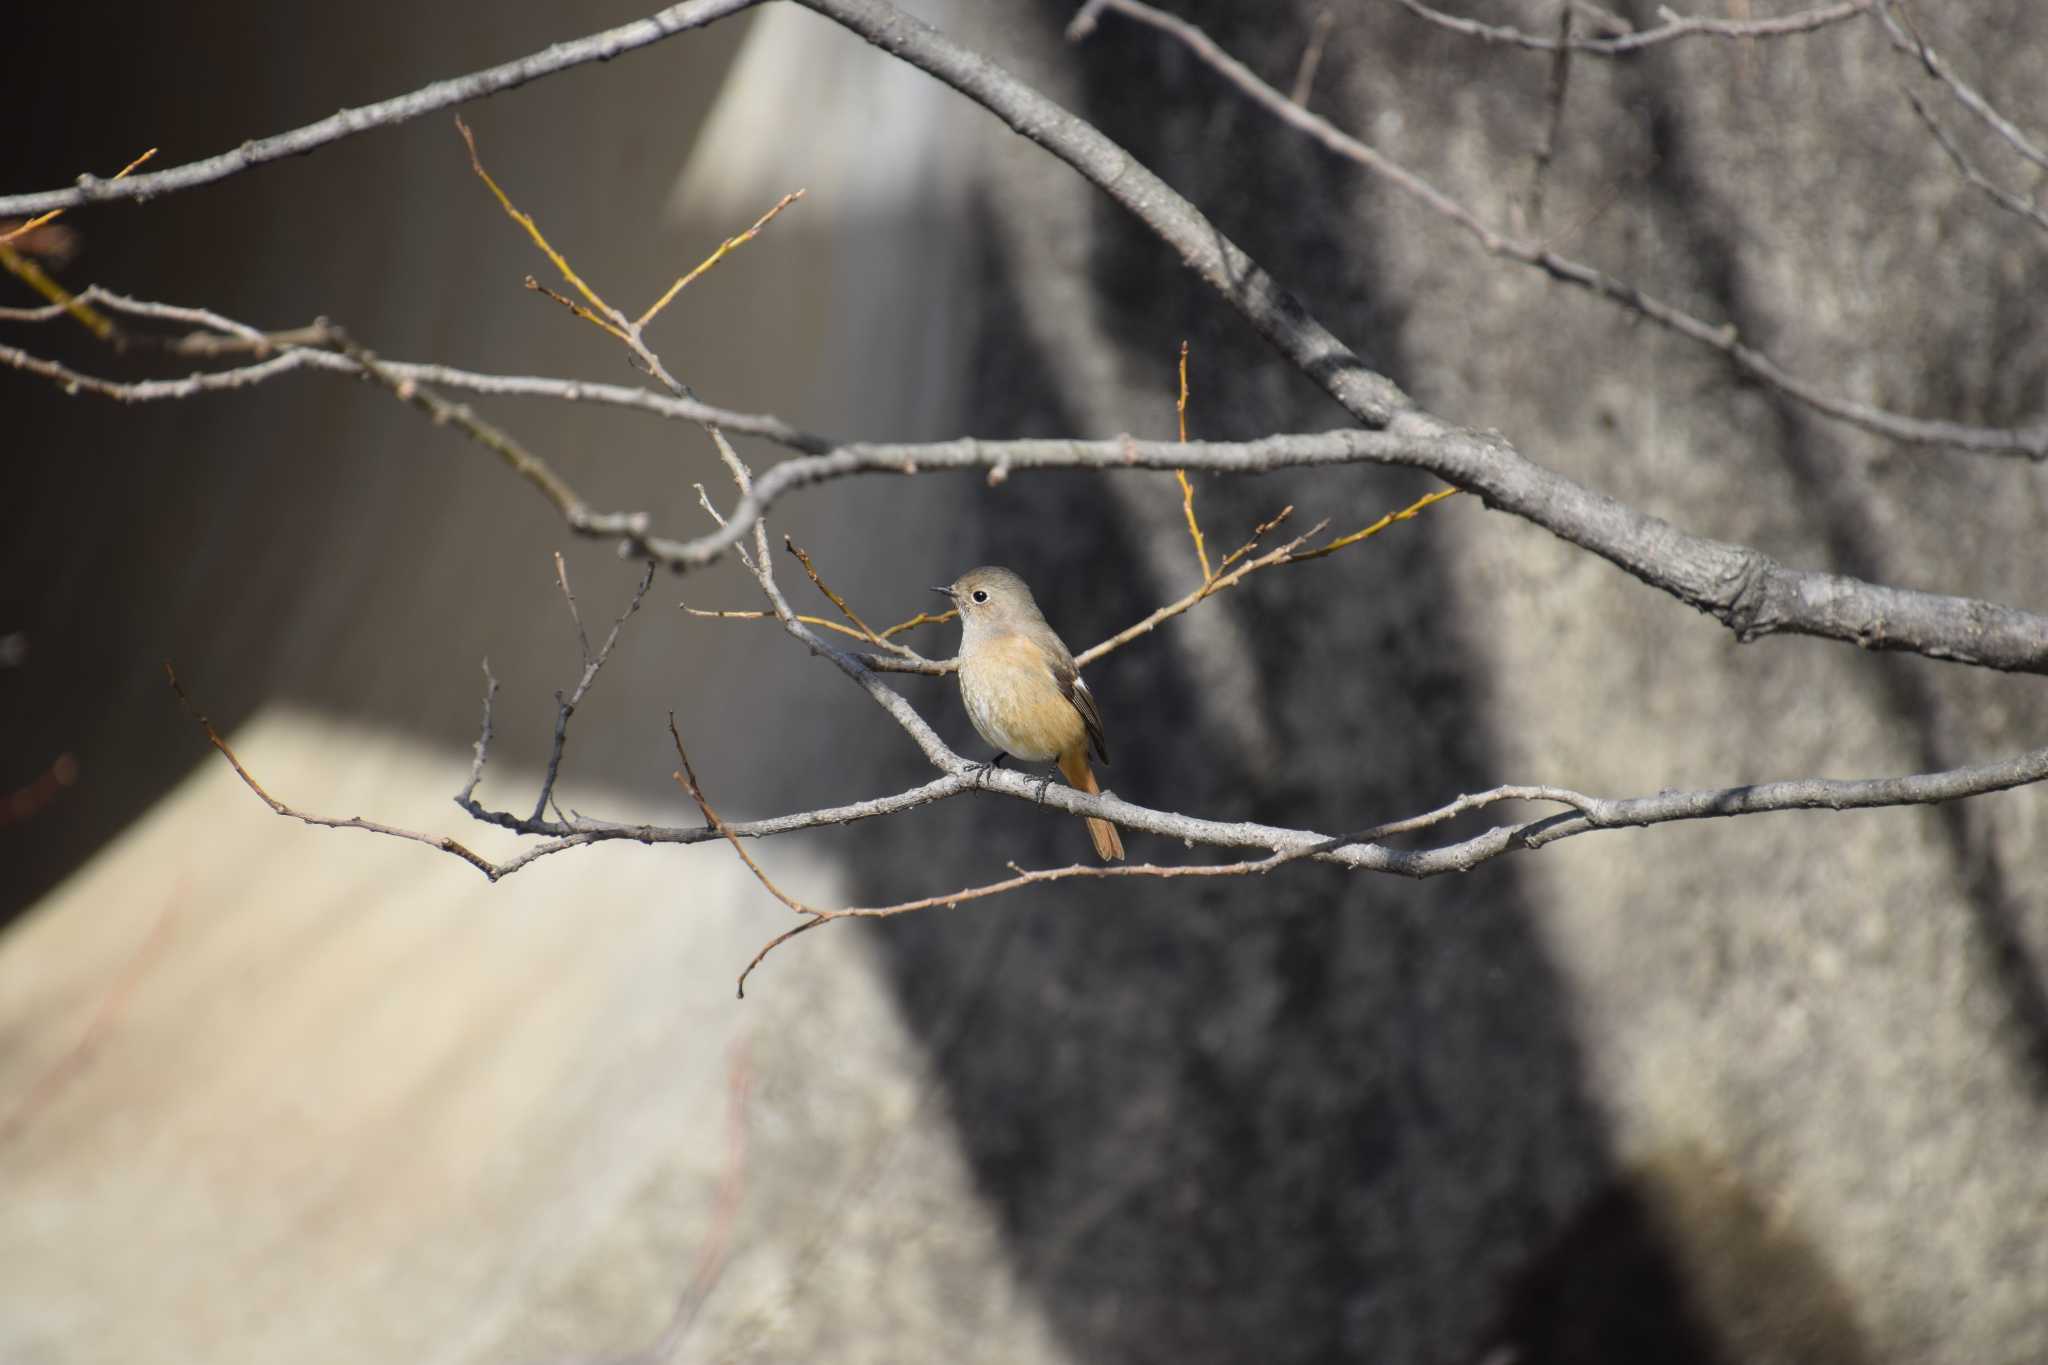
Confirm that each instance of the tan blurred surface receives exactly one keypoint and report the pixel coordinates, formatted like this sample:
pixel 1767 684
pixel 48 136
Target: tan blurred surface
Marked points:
pixel 279 1092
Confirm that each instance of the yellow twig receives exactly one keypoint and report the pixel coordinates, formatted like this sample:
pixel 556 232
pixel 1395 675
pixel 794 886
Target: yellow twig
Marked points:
pixel 845 630
pixel 1187 489
pixel 867 632
pixel 1382 524
pixel 32 224
pixel 921 619
pixel 1259 533
pixel 729 245
pixel 1180 408
pixel 1228 577
pixel 597 305
pixel 1220 583
pixel 33 275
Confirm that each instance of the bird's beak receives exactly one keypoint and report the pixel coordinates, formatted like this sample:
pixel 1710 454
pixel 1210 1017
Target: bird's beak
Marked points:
pixel 943 592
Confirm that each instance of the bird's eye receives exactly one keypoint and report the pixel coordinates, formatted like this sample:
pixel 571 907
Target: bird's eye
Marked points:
pixel 980 595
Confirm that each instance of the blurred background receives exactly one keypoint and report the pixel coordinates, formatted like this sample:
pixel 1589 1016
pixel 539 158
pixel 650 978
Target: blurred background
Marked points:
pixel 1762 1090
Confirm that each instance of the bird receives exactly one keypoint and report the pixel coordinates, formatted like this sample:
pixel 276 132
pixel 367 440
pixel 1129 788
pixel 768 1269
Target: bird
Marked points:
pixel 1022 688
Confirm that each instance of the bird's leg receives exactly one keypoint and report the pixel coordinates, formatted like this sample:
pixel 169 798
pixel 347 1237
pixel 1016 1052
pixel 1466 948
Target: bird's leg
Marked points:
pixel 1043 783
pixel 982 770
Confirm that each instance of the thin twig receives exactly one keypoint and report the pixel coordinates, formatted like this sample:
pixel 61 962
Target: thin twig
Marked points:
pixel 1582 814
pixel 2009 200
pixel 17 264
pixel 1360 851
pixel 1908 40
pixel 1560 82
pixel 1187 490
pixel 686 778
pixel 2026 442
pixel 1311 57
pixel 631 527
pixel 863 630
pixel 437 841
pixel 1674 27
pixel 1748 592
pixel 482 747
pixel 565 707
pixel 1290 553
pixel 1220 583
pixel 1421 504
pixel 725 248
pixel 446 94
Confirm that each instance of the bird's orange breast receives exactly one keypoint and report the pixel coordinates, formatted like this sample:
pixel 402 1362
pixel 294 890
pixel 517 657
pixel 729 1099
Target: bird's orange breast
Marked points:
pixel 1015 702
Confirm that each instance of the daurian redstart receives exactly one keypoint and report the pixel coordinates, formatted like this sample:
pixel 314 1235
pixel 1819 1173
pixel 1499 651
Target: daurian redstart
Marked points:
pixel 1022 690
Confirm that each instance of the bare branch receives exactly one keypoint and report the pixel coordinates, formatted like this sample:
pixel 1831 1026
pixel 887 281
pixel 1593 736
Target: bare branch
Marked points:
pixel 482 748
pixel 1560 84
pixel 725 248
pixel 1210 587
pixel 598 47
pixel 225 336
pixel 631 527
pixel 1361 851
pixel 1910 42
pixel 566 707
pixel 1358 851
pixel 1187 490
pixel 862 629
pixel 584 832
pixel 1745 590
pixel 436 841
pixel 154 390
pixel 1312 57
pixel 2006 199
pixel 533 231
pixel 686 778
pixel 1674 27
pixel 2026 442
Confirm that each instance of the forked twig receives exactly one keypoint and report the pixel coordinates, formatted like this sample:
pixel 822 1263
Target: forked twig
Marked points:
pixel 439 841
pixel 565 707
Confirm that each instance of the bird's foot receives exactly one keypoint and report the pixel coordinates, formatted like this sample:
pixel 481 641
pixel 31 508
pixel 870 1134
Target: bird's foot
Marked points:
pixel 978 772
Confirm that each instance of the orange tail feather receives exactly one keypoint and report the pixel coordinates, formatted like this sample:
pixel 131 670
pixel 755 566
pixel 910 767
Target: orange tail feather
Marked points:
pixel 1074 767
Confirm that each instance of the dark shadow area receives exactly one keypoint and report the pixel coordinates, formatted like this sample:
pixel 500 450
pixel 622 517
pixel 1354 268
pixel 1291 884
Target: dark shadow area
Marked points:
pixel 1294 1118
pixel 1838 512
pixel 1613 1285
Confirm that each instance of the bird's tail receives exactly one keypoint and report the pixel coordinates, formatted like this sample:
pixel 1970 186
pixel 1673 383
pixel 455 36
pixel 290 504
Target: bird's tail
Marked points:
pixel 1074 767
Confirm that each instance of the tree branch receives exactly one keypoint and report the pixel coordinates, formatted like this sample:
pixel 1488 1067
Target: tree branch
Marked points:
pixel 310 348
pixel 1675 26
pixel 2029 443
pixel 1744 589
pixel 598 47
pixel 1912 44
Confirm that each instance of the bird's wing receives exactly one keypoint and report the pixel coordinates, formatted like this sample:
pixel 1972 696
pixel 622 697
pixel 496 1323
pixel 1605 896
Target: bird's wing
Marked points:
pixel 1076 691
